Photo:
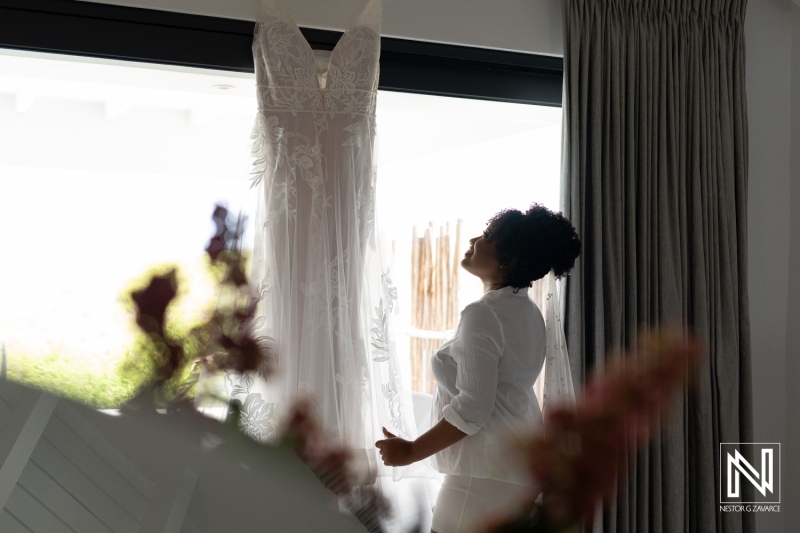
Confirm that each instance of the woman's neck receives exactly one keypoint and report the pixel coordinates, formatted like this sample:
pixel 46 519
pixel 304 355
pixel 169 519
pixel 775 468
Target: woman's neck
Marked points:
pixel 490 285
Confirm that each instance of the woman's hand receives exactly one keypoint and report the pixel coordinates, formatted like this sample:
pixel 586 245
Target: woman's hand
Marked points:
pixel 396 451
pixel 400 452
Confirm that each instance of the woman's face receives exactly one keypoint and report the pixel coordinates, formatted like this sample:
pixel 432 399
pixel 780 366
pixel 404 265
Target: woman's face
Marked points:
pixel 480 260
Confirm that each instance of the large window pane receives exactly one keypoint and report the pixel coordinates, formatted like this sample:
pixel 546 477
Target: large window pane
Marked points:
pixel 108 169
pixel 446 166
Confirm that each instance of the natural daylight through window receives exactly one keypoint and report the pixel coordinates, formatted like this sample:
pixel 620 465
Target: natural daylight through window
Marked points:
pixel 110 169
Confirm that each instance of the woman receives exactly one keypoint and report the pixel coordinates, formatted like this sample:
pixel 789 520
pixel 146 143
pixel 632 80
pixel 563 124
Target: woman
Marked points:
pixel 485 374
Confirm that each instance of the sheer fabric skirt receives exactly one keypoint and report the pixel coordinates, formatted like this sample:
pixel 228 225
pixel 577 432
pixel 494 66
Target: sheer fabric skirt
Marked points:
pixel 465 503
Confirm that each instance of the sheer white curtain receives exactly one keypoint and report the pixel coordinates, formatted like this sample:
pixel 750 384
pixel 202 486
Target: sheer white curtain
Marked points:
pixel 325 298
pixel 554 384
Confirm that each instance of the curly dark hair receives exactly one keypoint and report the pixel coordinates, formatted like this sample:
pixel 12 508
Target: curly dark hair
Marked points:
pixel 530 244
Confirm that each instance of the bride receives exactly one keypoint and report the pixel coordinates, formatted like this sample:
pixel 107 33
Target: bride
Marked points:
pixel 485 375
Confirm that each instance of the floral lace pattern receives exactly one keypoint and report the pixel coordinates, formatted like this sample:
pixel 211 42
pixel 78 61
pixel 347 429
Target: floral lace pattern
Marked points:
pixel 391 389
pixel 290 81
pixel 554 385
pixel 256 417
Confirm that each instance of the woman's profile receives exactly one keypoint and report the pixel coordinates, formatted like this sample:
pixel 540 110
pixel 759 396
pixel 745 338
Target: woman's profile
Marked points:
pixel 485 374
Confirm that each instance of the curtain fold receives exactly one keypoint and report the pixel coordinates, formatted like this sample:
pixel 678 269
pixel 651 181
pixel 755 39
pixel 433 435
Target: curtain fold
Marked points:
pixel 655 181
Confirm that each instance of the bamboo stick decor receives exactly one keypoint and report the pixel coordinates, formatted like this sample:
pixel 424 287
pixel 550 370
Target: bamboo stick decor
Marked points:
pixel 434 301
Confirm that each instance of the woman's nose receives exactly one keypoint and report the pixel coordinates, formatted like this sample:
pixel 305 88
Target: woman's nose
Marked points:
pixel 472 240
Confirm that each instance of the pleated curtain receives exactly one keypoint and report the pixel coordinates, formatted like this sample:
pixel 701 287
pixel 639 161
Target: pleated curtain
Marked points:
pixel 655 181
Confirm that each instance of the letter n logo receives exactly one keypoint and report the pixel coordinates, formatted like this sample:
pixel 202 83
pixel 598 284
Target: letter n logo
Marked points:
pixel 763 474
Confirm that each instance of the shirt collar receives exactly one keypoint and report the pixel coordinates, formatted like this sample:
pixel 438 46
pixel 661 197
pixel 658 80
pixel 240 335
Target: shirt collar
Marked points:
pixel 507 290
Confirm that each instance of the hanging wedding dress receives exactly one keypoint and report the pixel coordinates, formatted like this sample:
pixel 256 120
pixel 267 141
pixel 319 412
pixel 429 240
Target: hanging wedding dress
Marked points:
pixel 324 300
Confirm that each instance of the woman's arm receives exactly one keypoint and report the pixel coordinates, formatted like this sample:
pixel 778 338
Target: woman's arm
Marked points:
pixel 400 452
pixel 477 353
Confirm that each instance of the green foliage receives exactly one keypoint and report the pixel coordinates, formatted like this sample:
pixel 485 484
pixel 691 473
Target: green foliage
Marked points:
pixel 109 380
pixel 149 353
pixel 104 389
pixel 205 303
pixel 171 349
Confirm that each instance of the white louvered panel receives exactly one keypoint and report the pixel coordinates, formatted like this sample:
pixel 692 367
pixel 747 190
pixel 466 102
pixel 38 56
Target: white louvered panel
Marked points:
pixel 90 436
pixel 96 466
pixel 9 524
pixel 189 527
pixel 5 411
pixel 59 501
pixel 33 514
pixel 83 489
pixel 9 394
pixel 20 434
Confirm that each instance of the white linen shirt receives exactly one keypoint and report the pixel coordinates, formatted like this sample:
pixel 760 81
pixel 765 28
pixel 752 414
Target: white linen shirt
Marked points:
pixel 484 384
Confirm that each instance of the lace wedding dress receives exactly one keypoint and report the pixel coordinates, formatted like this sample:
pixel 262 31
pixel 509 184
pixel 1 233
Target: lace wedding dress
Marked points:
pixel 324 300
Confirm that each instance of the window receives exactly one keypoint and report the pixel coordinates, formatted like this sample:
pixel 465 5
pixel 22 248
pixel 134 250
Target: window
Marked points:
pixel 108 169
pixel 111 167
pixel 446 165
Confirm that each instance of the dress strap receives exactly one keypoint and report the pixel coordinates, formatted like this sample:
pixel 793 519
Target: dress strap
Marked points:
pixel 370 16
pixel 273 11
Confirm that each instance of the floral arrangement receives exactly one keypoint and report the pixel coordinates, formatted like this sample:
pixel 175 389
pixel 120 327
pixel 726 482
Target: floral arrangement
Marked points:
pixel 579 457
pixel 227 343
pixel 224 340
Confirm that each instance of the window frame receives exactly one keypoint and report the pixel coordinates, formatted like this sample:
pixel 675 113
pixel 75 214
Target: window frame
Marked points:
pixel 153 36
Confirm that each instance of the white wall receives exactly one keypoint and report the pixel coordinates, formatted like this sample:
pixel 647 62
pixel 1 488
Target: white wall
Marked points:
pixel 773 61
pixel 791 495
pixel 769 62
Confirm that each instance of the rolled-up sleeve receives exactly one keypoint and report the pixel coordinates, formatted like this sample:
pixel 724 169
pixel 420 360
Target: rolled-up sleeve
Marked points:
pixel 477 356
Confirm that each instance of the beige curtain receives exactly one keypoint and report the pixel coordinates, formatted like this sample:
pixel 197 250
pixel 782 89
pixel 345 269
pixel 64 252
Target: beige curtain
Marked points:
pixel 655 164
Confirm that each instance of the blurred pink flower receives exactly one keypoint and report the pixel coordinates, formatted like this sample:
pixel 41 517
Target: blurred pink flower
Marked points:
pixel 152 301
pixel 578 459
